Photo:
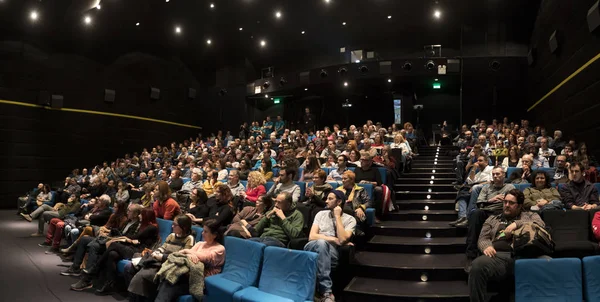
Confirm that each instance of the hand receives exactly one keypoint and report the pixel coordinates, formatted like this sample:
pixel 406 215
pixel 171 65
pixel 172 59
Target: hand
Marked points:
pixel 243 194
pixel 279 213
pixel 542 202
pixel 490 252
pixel 191 216
pixel 134 241
pixel 193 258
pixel 309 192
pixel 499 197
pixel 360 213
pixel 244 222
pixel 337 211
pixel 510 229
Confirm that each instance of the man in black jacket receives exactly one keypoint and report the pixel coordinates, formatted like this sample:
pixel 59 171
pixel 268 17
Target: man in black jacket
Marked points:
pixel 579 194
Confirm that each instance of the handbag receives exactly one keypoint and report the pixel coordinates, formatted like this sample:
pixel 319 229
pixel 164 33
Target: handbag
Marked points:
pixel 531 241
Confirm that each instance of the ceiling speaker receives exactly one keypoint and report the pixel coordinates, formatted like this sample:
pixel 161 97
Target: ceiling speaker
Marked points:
pixel 407 66
pixel 553 42
pixel 430 65
pixel 57 101
pixel 191 93
pixel 109 96
pixel 494 65
pixel 593 17
pixel 323 73
pixel 154 93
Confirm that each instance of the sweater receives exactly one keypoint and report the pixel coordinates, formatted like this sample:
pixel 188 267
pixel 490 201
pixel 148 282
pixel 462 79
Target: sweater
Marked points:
pixel 291 188
pixel 168 209
pixel 174 244
pixel 493 224
pixel 578 194
pixel 68 208
pixel 282 230
pixel 532 195
pixel 252 194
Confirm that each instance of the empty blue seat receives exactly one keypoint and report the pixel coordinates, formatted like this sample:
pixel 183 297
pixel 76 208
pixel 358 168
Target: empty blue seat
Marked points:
pixel 185 179
pixel 287 275
pixel 522 187
pixel 510 171
pixel 383 173
pixel 198 231
pixel 268 185
pixel 302 186
pixel 541 280
pixel 591 278
pixel 243 260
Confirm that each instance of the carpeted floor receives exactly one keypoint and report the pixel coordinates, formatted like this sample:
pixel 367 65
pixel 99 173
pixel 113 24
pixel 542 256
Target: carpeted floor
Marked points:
pixel 27 274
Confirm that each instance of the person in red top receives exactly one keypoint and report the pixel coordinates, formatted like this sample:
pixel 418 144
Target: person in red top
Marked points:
pixel 255 189
pixel 164 206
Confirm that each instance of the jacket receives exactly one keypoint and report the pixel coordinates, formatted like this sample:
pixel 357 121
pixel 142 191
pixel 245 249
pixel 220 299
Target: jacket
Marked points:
pixel 532 195
pixel 282 230
pixel 574 194
pixel 493 223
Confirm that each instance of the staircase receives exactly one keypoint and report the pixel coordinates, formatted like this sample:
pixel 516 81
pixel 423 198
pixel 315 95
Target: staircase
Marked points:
pixel 414 255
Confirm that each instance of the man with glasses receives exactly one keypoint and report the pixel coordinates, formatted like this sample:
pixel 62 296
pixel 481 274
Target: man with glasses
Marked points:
pixel 561 173
pixel 336 174
pixel 495 241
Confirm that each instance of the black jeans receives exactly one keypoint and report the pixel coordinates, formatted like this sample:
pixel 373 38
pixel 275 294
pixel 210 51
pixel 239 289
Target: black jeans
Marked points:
pixel 170 293
pixel 476 220
pixel 486 268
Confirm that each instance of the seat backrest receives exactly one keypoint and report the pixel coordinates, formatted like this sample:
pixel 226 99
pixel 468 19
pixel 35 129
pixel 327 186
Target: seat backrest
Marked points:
pixel 185 179
pixel 326 170
pixel 198 230
pixel 568 225
pixel 53 197
pixel 302 186
pixel 165 228
pixel 383 173
pixel 244 183
pixel 368 188
pixel 334 184
pixel 556 279
pixel 289 273
pixel 549 171
pixel 522 187
pixel 243 261
pixel 510 171
pixel 268 185
pixel 597 185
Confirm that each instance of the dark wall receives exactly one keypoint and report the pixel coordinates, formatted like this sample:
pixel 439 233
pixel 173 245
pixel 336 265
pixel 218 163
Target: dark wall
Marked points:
pixel 41 145
pixel 575 107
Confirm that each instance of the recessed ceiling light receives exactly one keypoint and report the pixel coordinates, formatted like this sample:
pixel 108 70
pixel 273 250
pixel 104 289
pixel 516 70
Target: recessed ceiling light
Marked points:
pixel 33 15
pixel 389 80
pixel 177 29
pixel 212 5
pixel 266 96
pixel 167 1
pixel 241 28
pixel 357 61
pixel 344 23
pixel 345 84
pixel 87 20
pixel 390 16
pixel 208 42
pixel 327 1
pixel 263 43
pixel 277 14
pixel 437 14
pixel 137 24
pixel 306 89
pixel 303 32
pixel 98 6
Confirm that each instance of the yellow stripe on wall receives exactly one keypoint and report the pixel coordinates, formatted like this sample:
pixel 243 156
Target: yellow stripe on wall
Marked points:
pixel 584 66
pixel 101 113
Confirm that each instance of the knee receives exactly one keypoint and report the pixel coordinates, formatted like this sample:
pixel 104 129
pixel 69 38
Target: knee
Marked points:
pixel 378 189
pixel 480 265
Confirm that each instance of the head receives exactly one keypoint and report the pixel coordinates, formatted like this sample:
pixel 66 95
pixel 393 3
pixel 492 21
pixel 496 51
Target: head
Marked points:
pixel 348 179
pixel 498 176
pixel 211 232
pixel 319 177
pixel 287 175
pixel 482 161
pixel 134 211
pixel 284 201
pixel 162 191
pixel 513 203
pixel 264 202
pixel 527 159
pixel 103 201
pixel 365 160
pixel 513 152
pixel 541 180
pixel 561 161
pixel 196 174
pixel 335 198
pixel 576 172
pixel 120 208
pixel 182 226
pixel 147 217
pixel 223 193
pixel 342 160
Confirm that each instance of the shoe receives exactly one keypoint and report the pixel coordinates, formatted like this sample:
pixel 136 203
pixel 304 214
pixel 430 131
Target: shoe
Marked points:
pixel 27 217
pixel 36 235
pixel 68 250
pixel 81 285
pixel 105 289
pixel 328 297
pixel 67 258
pixel 457 221
pixel 90 271
pixel 71 272
pixel 51 251
pixel 468 265
pixel 463 224
pixel 44 244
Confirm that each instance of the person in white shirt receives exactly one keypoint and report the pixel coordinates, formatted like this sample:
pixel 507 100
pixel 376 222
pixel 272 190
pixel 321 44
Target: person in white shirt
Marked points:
pixel 474 181
pixel 545 151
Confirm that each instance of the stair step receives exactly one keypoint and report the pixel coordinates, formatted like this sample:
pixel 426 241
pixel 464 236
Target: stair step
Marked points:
pixel 420 204
pixel 438 267
pixel 417 245
pixel 418 215
pixel 423 187
pixel 417 229
pixel 437 169
pixel 438 174
pixel 423 195
pixel 371 289
pixel 425 180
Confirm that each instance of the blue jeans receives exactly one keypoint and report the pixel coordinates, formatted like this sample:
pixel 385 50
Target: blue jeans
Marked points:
pixel 327 258
pixel 463 207
pixel 268 241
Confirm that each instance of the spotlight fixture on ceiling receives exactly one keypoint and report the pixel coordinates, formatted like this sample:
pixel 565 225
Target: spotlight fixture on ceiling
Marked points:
pixel 345 84
pixel 344 23
pixel 177 29
pixel 305 89
pixel 327 1
pixel 263 43
pixel 98 7
pixel 87 20
pixel 33 15
pixel 430 65
pixel 347 104
pixel 324 73
pixel 208 42
pixel 407 66
pixel 266 85
pixel 278 14
pixel 437 14
pixel 137 24
pixel 342 71
pixel 363 68
pixel 389 80
pixel 495 65
pixel 282 81
pixel 389 16
pixel 303 32
pixel 266 96
pixel 212 5
pixel 222 92
pixel 241 28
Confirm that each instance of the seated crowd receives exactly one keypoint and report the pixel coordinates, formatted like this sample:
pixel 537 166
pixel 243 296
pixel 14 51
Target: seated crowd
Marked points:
pixel 493 161
pixel 247 187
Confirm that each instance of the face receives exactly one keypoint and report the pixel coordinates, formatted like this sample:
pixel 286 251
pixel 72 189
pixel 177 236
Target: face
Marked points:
pixel 576 174
pixel 131 214
pixel 468 135
pixel 177 229
pixel 561 162
pixel 365 163
pixel 544 143
pixel 481 162
pixel 283 177
pixel 540 180
pixel 498 176
pixel 511 207
pixel 208 236
pixel 111 183
pixel 233 178
pixel 526 160
pixel 173 174
pixel 347 182
pixel 331 201
pixel 281 203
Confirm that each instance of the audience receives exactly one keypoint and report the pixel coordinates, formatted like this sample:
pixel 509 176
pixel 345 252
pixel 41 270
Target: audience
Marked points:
pixel 578 194
pixel 280 225
pixel 164 206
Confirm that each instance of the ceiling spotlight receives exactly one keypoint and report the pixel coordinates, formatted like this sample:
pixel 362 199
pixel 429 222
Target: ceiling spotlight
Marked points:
pixel 430 65
pixel 100 7
pixel 137 24
pixel 363 69
pixel 282 81
pixel 208 42
pixel 495 65
pixel 357 61
pixel 266 85
pixel 278 15
pixel 167 1
pixel 327 1
pixel 305 89
pixel 263 43
pixel 437 14
pixel 342 71
pixel 177 29
pixel 33 15
pixel 323 73
pixel 266 96
pixel 212 5
pixel 344 23
pixel 241 28
pixel 87 20
pixel 389 80
pixel 390 16
pixel 303 32
pixel 345 84
pixel 407 66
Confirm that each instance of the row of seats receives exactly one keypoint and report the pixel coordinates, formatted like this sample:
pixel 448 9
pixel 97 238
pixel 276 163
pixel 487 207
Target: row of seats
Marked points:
pixel 563 279
pixel 549 171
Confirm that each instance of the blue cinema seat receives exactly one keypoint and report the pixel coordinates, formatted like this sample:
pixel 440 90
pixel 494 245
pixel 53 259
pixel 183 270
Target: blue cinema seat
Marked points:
pixel 287 275
pixel 522 187
pixel 302 186
pixel 243 260
pixel 542 280
pixel 591 278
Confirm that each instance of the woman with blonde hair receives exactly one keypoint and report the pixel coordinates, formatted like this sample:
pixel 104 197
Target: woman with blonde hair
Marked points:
pixel 256 188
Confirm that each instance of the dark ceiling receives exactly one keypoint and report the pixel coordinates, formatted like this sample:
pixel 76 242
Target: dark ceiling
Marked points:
pixel 112 32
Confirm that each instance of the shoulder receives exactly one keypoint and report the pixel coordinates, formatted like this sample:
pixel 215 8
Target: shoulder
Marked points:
pixel 320 216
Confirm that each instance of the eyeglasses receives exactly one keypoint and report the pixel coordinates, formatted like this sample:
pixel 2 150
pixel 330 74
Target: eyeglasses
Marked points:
pixel 510 202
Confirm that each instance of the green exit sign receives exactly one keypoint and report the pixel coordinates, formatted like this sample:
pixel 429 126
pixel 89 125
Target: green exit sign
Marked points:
pixel 276 100
pixel 437 85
